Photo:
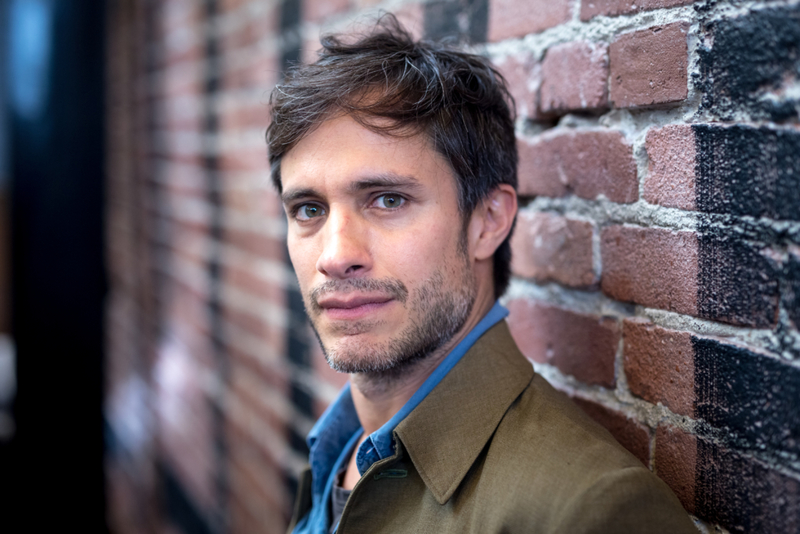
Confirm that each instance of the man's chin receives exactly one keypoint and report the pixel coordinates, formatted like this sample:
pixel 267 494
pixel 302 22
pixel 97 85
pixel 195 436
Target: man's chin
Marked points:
pixel 349 329
pixel 353 363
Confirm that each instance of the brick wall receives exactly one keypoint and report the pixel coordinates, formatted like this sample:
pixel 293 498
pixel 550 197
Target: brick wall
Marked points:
pixel 656 257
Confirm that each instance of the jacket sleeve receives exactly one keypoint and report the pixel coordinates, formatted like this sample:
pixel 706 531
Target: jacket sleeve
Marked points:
pixel 627 500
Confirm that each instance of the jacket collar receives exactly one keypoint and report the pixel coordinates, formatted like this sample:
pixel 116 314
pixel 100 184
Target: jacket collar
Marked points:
pixel 447 431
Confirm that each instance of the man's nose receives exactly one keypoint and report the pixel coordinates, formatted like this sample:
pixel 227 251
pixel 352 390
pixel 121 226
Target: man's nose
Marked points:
pixel 344 252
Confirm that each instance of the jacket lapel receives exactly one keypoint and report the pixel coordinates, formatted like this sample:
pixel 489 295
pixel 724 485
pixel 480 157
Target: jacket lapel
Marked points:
pixel 447 431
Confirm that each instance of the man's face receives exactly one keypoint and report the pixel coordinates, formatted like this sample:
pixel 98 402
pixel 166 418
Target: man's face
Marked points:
pixel 377 241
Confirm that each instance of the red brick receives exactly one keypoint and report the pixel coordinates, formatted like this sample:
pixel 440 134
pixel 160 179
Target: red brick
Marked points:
pixel 265 246
pixel 630 433
pixel 261 71
pixel 670 177
pixel 659 365
pixel 522 73
pixel 253 474
pixel 649 66
pixel 309 51
pixel 650 266
pixel 513 18
pixel 319 10
pixel 242 276
pixel 574 76
pixel 580 345
pixel 411 16
pixel 675 461
pixel 549 247
pixel 612 8
pixel 587 163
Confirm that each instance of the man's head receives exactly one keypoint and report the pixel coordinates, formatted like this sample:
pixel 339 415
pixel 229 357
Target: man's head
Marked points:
pixel 455 99
pixel 396 164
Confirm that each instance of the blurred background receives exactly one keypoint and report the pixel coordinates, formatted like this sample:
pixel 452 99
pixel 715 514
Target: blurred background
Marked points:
pixel 155 363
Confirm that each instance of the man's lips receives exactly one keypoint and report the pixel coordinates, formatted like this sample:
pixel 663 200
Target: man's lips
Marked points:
pixel 349 307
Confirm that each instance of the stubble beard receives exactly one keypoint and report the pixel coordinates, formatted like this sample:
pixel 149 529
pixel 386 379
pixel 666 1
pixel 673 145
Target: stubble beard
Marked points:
pixel 436 312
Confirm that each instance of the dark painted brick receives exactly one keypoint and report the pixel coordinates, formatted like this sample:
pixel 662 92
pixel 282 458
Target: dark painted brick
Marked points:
pixel 743 495
pixel 791 296
pixel 736 283
pixel 477 12
pixel 751 56
pixel 747 171
pixel 755 398
pixel 464 19
pixel 441 20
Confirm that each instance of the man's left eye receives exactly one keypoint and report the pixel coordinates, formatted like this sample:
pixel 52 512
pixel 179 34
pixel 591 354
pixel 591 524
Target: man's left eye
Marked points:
pixel 389 201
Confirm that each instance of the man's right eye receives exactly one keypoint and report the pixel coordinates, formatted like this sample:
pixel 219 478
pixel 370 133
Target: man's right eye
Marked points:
pixel 309 211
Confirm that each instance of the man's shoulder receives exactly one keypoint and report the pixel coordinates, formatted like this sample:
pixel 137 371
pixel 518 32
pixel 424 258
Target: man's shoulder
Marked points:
pixel 549 460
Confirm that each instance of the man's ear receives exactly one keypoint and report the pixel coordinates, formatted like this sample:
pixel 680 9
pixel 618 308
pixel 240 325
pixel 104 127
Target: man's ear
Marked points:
pixel 492 221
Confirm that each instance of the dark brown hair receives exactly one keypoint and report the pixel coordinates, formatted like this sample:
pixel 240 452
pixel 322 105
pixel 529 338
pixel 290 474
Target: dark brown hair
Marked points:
pixel 456 99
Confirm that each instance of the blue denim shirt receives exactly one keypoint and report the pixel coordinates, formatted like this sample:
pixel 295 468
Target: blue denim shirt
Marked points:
pixel 338 430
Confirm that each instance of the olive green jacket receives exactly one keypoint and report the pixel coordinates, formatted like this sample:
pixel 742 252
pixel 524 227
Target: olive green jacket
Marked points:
pixel 494 448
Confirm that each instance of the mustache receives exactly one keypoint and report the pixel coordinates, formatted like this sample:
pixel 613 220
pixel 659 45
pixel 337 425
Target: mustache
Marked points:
pixel 386 286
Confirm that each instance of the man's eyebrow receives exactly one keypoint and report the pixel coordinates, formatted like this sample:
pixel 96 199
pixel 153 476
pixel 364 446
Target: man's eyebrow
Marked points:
pixel 290 196
pixel 384 180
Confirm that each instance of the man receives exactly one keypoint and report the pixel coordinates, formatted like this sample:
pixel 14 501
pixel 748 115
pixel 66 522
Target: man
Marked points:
pixel 396 165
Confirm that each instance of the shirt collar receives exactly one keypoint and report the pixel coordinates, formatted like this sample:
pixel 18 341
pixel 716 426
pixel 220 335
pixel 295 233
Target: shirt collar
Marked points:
pixel 382 441
pixel 449 429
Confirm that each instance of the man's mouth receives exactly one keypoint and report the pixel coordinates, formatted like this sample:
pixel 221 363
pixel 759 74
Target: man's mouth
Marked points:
pixel 353 299
pixel 352 306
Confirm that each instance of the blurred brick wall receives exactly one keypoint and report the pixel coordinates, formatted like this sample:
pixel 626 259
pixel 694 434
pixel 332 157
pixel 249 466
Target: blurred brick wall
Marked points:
pixel 656 257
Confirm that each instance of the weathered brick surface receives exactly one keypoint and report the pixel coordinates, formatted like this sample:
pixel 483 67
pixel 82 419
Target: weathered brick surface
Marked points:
pixel 412 17
pixel 675 461
pixel 754 397
pixel 586 163
pixel 574 76
pixel 630 433
pixel 580 345
pixel 523 76
pixel 722 486
pixel 649 66
pixel 718 383
pixel 750 62
pixel 612 8
pixel 743 170
pixel 466 20
pixel 738 282
pixel 670 177
pixel 321 10
pixel 650 266
pixel 548 247
pixel 659 365
pixel 511 18
pixel 791 295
